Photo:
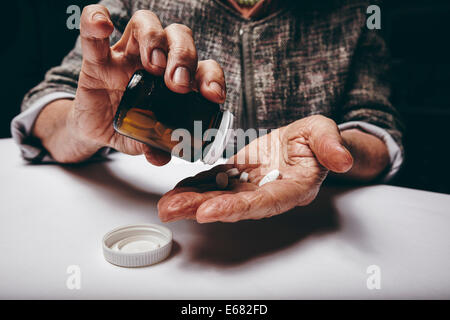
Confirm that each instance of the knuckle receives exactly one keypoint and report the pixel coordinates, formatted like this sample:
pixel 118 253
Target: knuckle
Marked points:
pixel 323 119
pixel 318 117
pixel 183 201
pixel 142 15
pixel 214 68
pixel 137 15
pixel 319 120
pixel 180 27
pixel 212 63
pixel 91 9
pixel 85 15
pixel 154 34
pixel 150 35
pixel 183 53
pixel 86 11
pixel 245 205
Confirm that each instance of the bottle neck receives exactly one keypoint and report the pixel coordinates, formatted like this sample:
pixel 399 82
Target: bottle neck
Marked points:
pixel 215 148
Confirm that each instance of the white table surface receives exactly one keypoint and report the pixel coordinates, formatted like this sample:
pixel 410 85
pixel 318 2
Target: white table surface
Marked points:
pixel 52 217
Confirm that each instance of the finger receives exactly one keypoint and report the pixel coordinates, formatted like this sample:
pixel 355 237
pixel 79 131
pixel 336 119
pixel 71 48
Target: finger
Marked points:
pixel 157 157
pixel 167 209
pixel 271 199
pixel 182 59
pixel 144 37
pixel 210 81
pixel 183 205
pixel 170 207
pixel 326 142
pixel 182 202
pixel 95 29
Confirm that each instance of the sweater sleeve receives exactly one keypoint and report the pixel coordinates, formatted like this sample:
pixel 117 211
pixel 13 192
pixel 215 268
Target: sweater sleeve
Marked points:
pixel 368 92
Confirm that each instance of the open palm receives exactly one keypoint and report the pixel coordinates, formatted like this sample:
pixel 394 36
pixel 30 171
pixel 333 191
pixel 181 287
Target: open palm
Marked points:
pixel 303 152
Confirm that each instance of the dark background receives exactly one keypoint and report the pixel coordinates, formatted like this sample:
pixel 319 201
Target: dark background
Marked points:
pixel 35 38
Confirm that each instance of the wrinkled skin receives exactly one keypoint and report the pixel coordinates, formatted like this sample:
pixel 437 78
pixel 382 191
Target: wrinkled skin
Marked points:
pixel 303 152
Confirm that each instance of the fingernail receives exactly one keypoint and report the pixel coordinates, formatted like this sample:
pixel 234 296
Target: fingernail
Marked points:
pixel 349 160
pixel 99 17
pixel 182 77
pixel 345 161
pixel 159 58
pixel 217 88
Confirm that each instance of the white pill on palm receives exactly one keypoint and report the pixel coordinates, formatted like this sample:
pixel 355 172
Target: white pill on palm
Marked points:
pixel 271 176
pixel 243 177
pixel 233 172
pixel 222 180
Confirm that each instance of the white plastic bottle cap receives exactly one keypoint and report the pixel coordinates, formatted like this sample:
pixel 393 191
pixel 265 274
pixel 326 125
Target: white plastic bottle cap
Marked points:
pixel 137 245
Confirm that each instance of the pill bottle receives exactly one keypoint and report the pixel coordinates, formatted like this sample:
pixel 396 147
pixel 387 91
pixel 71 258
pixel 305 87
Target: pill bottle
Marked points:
pixel 150 113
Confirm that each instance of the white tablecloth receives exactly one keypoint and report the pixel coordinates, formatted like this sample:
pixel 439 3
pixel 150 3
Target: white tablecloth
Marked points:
pixel 53 217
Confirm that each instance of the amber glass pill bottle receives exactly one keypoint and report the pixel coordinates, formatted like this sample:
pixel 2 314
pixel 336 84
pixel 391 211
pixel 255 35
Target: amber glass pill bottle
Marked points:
pixel 150 113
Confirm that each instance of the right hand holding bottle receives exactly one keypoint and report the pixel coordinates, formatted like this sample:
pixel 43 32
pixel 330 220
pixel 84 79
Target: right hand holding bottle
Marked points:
pixel 105 72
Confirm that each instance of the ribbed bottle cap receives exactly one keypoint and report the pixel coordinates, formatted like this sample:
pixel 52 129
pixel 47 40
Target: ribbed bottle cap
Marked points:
pixel 224 133
pixel 137 245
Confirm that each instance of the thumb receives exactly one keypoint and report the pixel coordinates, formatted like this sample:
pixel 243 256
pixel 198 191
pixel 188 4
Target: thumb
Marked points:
pixel 327 145
pixel 95 29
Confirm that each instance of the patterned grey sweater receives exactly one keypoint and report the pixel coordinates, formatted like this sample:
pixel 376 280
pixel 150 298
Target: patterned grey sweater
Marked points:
pixel 310 57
